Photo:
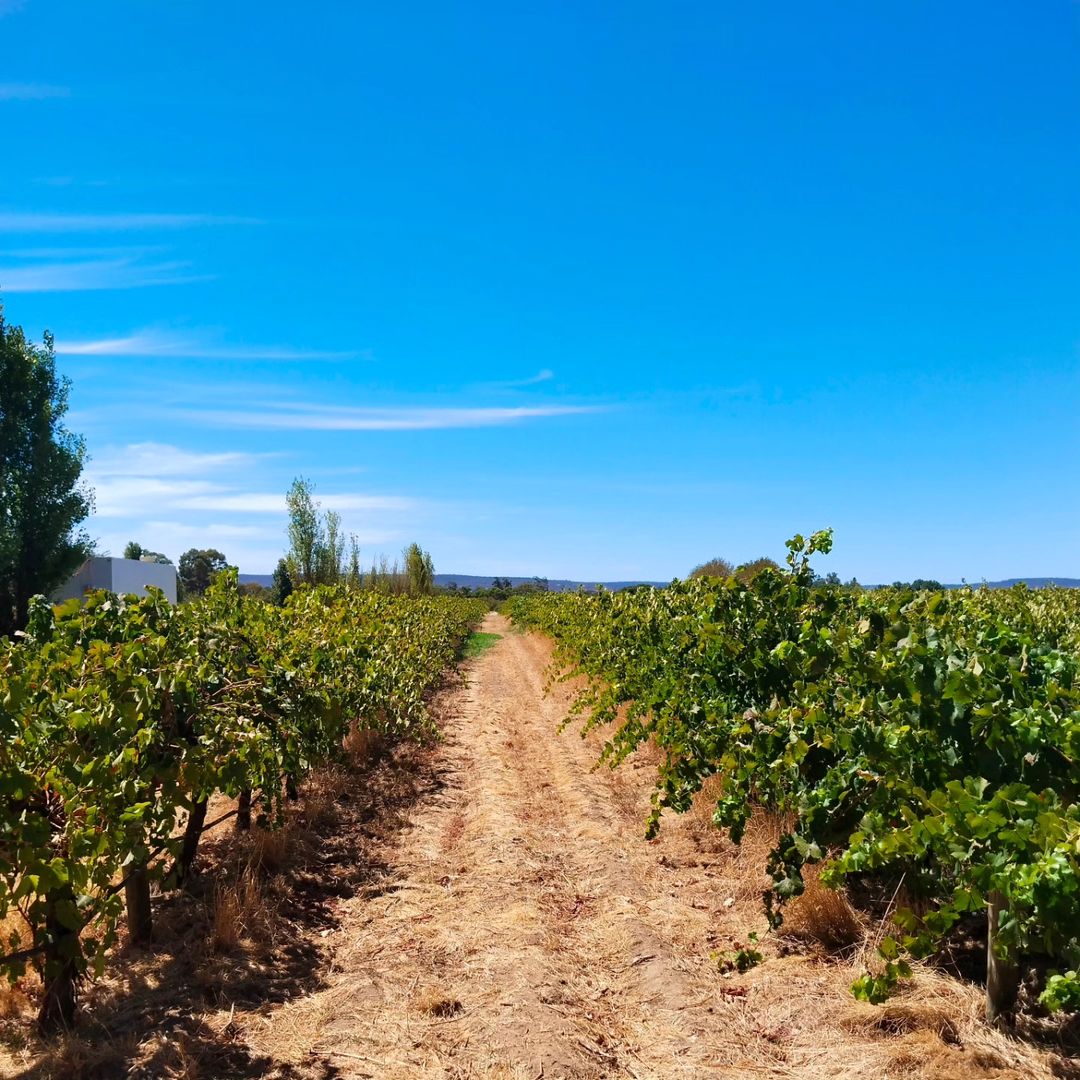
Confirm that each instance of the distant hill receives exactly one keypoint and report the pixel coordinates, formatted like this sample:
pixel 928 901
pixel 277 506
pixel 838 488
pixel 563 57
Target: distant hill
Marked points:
pixel 479 581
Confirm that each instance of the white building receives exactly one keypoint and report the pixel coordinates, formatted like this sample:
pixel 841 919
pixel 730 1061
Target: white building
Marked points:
pixel 119 576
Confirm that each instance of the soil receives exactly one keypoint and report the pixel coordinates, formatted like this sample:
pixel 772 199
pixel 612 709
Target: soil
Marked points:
pixel 488 908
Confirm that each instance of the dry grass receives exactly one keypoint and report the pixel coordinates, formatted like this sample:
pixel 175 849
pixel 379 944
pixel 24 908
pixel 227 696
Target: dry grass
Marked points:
pixel 269 848
pixel 820 915
pixel 249 931
pixel 15 999
pixel 319 808
pixel 76 1057
pixel 437 1003
pixel 701 810
pixel 240 911
pixel 798 1019
pixel 937 1016
pixel 823 915
pixel 363 746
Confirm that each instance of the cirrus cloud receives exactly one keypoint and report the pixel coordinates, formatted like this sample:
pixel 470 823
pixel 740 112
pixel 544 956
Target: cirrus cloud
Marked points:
pixel 287 416
pixel 199 346
pixel 37 222
pixel 94 275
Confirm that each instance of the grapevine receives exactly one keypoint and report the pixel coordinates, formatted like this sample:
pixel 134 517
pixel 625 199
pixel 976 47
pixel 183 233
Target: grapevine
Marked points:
pixel 929 735
pixel 122 716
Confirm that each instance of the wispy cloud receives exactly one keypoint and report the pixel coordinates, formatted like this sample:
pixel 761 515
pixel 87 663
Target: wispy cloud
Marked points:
pixel 69 181
pixel 273 503
pixel 148 343
pixel 178 531
pixel 91 275
pixel 162 459
pixel 131 496
pixel 32 222
pixel 301 417
pixel 546 375
pixel 69 254
pixel 130 481
pixel 542 376
pixel 30 91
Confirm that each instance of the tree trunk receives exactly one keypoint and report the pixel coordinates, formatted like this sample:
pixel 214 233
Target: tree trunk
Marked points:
pixel 139 916
pixel 61 973
pixel 243 811
pixel 1002 973
pixel 292 790
pixel 192 831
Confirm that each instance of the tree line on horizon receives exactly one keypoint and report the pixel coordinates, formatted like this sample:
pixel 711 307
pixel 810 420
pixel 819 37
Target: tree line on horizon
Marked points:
pixel 746 572
pixel 318 554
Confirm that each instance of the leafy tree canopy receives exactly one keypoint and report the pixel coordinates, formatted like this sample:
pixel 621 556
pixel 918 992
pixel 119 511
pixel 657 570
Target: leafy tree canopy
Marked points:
pixel 198 569
pixel 721 568
pixel 282 586
pixel 713 568
pixel 42 501
pixel 135 550
pixel 419 570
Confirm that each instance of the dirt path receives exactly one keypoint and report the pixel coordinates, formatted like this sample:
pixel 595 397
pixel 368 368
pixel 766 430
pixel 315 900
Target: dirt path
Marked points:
pixel 527 930
pixel 530 931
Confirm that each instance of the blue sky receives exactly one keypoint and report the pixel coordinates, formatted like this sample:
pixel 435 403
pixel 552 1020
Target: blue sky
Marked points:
pixel 585 290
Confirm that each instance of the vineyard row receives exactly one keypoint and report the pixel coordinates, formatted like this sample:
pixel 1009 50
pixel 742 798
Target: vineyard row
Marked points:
pixel 924 737
pixel 121 717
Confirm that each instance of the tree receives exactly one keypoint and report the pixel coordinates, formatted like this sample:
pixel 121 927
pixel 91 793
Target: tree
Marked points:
pixel 197 570
pixel 330 553
pixel 750 570
pixel 305 529
pixel 282 587
pixel 135 550
pixel 316 542
pixel 42 502
pixel 355 577
pixel 501 588
pixel 537 585
pixel 713 568
pixel 419 570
